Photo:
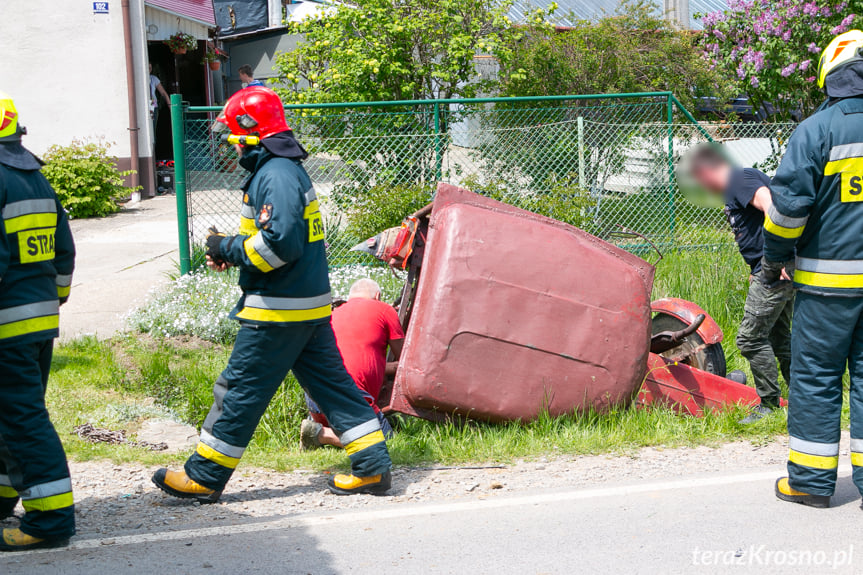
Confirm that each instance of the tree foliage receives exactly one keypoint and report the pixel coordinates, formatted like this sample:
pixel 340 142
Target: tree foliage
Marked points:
pixel 770 48
pixel 632 50
pixel 375 50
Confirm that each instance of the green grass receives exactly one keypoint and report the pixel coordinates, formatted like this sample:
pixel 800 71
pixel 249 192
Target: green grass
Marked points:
pixel 118 383
pixel 120 378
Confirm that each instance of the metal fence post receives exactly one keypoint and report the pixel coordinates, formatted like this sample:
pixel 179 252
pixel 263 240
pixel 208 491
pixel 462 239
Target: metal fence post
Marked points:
pixel 580 128
pixel 438 159
pixel 179 141
pixel 671 199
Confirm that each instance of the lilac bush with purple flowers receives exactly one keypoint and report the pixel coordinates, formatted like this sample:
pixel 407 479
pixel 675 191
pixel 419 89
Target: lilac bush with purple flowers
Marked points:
pixel 771 48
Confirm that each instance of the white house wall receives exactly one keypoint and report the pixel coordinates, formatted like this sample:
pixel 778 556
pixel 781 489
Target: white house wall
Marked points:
pixel 65 66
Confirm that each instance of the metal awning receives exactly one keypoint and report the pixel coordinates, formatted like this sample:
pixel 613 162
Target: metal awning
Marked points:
pixel 200 11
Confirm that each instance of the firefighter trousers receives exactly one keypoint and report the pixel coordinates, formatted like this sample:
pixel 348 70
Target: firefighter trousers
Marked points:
pixel 32 461
pixel 827 337
pixel 260 361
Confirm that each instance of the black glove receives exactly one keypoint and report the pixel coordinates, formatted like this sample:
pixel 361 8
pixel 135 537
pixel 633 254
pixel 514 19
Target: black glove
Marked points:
pixel 771 272
pixel 214 245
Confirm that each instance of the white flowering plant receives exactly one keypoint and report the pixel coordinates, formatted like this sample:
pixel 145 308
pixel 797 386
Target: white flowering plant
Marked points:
pixel 198 304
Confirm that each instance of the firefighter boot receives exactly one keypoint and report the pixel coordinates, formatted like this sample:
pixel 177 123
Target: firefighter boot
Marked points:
pixel 178 484
pixel 351 484
pixel 785 492
pixel 17 540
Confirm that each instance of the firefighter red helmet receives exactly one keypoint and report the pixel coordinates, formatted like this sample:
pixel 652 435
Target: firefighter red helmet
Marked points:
pixel 253 110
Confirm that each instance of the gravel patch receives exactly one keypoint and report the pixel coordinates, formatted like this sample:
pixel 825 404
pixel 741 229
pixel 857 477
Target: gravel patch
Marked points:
pixel 114 500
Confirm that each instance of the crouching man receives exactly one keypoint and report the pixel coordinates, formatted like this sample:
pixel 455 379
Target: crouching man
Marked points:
pixel 284 314
pixel 765 332
pixel 364 327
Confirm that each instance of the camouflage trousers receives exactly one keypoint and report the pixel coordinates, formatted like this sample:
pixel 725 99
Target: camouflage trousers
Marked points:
pixel 764 337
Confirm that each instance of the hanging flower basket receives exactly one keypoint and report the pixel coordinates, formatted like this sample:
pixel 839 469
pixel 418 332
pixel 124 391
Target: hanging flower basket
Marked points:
pixel 180 43
pixel 215 65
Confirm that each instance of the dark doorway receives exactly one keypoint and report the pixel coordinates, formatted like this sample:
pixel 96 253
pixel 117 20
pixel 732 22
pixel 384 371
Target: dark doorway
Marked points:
pixel 184 74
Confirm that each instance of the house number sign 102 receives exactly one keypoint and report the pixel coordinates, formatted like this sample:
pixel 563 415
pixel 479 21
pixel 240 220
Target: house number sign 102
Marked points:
pixel 100 8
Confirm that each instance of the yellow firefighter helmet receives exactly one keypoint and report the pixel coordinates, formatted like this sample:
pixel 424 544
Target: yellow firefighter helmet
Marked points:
pixel 843 49
pixel 8 116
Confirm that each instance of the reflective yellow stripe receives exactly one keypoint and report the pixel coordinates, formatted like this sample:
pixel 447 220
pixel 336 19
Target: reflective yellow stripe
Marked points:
pixel 814 461
pixel 26 326
pixel 857 459
pixel 257 260
pixel 49 503
pixel 208 452
pixel 313 207
pixel 8 492
pixel 31 221
pixel 365 442
pixel 844 165
pixel 288 315
pixel 782 232
pixel 828 280
pixel 247 227
pixel 63 291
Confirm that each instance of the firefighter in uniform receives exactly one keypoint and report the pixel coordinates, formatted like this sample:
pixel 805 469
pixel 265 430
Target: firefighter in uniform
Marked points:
pixel 37 256
pixel 284 314
pixel 817 213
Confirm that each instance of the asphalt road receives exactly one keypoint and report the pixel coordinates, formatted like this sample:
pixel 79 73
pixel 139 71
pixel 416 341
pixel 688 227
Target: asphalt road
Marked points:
pixel 728 523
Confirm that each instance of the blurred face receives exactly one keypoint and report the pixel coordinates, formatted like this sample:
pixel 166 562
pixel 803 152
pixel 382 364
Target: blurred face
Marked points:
pixel 244 78
pixel 713 178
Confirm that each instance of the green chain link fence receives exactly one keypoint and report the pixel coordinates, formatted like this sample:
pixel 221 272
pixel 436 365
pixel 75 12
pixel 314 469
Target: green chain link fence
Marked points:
pixel 603 163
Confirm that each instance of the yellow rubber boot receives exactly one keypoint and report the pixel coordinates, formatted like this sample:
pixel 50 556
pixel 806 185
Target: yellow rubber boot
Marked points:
pixel 178 484
pixel 351 484
pixel 785 492
pixel 17 540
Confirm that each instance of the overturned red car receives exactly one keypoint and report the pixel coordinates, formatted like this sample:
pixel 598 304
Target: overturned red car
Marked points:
pixel 509 314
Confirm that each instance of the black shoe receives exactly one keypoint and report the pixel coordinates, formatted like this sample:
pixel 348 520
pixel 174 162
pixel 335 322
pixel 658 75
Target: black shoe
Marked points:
pixel 785 492
pixel 178 484
pixel 737 376
pixel 7 507
pixel 757 414
pixel 351 484
pixel 17 540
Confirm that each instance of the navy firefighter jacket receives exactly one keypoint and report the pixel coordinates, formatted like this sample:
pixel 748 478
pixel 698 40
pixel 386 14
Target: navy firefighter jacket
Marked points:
pixel 37 253
pixel 818 202
pixel 280 247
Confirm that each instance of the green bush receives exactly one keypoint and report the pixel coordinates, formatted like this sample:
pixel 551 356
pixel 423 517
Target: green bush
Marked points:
pixel 562 200
pixel 85 178
pixel 379 207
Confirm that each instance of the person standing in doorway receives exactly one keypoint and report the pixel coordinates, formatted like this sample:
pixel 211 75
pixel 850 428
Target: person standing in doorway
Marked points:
pixel 247 77
pixel 156 90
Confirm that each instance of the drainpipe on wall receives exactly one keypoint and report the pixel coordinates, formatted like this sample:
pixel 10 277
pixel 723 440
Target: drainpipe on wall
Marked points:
pixel 133 102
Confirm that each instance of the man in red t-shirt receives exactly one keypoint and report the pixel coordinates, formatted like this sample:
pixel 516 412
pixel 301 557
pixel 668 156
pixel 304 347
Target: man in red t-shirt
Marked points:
pixel 364 327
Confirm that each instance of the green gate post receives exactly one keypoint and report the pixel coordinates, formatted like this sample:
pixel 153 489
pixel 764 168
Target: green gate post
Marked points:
pixel 671 206
pixel 179 141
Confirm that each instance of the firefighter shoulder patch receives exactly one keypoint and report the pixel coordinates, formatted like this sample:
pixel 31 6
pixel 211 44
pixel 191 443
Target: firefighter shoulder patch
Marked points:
pixel 266 214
